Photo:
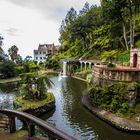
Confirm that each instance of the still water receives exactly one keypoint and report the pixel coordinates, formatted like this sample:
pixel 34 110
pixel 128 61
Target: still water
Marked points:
pixel 8 92
pixel 69 114
pixel 71 117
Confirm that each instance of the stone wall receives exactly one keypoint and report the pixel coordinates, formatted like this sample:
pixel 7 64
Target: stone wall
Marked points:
pixel 135 52
pixel 105 75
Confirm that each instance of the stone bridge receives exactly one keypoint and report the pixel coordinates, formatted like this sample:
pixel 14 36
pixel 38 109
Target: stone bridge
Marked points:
pixel 32 121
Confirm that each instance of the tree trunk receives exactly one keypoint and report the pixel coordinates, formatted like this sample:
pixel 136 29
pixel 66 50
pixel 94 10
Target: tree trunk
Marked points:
pixel 131 26
pixel 122 43
pixel 124 35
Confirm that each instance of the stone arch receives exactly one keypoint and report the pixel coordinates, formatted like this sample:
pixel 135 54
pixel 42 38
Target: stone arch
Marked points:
pixel 135 59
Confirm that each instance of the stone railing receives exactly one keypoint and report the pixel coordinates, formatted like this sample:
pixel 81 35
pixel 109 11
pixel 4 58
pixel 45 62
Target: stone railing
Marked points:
pixel 32 121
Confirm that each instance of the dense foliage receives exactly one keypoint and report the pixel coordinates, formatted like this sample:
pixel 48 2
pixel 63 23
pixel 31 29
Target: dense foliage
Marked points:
pixel 52 64
pixel 34 86
pixel 116 97
pixel 113 26
pixel 7 69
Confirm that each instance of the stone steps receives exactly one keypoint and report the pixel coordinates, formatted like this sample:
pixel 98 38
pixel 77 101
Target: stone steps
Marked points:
pixel 4 122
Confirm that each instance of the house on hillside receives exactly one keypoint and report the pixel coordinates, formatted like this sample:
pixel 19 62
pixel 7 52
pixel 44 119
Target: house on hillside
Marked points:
pixel 45 51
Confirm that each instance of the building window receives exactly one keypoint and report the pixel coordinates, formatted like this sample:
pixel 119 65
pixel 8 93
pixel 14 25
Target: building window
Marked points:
pixel 49 51
pixel 40 52
pixel 36 58
pixel 40 57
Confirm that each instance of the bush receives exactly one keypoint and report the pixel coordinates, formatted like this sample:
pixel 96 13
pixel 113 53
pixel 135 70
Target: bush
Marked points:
pixel 115 96
pixel 8 69
pixel 110 65
pixel 52 64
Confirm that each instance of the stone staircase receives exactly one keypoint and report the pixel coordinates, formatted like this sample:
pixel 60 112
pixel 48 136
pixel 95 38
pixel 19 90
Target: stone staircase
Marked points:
pixel 4 122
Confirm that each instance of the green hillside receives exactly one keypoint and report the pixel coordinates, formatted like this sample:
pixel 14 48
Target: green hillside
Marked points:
pixel 104 32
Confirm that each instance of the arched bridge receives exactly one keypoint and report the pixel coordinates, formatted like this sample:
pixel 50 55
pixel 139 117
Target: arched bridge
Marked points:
pixel 32 121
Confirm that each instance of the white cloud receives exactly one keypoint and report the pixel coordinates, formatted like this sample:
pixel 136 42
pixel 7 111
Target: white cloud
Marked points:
pixel 26 23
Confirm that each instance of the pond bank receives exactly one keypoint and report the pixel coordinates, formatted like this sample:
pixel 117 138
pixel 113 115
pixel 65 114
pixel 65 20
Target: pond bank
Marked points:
pixel 17 79
pixel 120 123
pixel 35 108
pixel 10 80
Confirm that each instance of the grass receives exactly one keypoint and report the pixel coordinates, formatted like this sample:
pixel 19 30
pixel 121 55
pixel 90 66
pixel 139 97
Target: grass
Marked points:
pixel 14 79
pixel 33 104
pixel 19 135
pixel 132 113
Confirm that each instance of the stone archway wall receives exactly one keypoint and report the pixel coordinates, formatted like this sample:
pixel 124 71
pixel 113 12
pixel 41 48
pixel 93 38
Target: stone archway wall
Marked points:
pixel 135 60
pixel 133 53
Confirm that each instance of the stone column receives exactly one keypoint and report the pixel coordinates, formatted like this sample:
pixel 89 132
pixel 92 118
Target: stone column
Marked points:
pixel 64 68
pixel 85 65
pixel 81 63
pixel 12 124
pixel 89 65
pixel 31 130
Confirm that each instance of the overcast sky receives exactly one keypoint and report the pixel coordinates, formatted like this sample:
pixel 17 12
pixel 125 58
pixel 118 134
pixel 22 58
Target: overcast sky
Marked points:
pixel 26 23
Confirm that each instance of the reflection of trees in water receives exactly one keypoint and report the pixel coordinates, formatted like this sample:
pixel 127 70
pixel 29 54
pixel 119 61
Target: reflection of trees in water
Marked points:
pixel 9 87
pixel 6 100
pixel 71 95
pixel 71 117
pixel 8 93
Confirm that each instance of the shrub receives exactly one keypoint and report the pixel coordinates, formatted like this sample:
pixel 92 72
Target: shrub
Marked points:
pixel 8 69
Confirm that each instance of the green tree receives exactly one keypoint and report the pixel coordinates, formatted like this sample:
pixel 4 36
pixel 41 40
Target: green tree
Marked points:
pixel 35 86
pixel 71 16
pixel 8 69
pixel 123 12
pixel 13 52
pixel 1 40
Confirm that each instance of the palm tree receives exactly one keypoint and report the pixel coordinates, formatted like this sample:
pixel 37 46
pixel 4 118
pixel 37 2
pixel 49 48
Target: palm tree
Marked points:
pixel 35 85
pixel 13 52
pixel 43 82
pixel 28 58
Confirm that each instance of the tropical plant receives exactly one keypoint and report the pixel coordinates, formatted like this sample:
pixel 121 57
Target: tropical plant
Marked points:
pixel 35 86
pixel 52 64
pixel 13 53
pixel 8 69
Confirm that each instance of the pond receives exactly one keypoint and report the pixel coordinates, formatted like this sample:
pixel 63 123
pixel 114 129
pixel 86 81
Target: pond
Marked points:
pixel 70 115
pixel 8 92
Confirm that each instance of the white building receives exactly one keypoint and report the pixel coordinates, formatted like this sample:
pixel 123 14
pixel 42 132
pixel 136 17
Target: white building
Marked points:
pixel 45 51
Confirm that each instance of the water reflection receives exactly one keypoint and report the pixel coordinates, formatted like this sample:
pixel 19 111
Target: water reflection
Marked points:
pixel 69 114
pixel 71 117
pixel 8 92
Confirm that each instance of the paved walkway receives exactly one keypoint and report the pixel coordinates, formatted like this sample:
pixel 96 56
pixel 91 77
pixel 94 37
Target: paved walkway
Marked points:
pixel 112 119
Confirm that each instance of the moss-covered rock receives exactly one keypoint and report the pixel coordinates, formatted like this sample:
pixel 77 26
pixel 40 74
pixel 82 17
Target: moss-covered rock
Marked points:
pixel 116 97
pixel 35 107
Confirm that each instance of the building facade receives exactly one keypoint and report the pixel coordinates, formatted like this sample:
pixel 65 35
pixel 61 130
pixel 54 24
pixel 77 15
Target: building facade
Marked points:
pixel 45 51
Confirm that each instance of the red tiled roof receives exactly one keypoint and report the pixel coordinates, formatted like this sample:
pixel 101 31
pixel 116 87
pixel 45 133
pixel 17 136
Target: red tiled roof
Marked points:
pixel 47 46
